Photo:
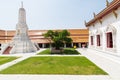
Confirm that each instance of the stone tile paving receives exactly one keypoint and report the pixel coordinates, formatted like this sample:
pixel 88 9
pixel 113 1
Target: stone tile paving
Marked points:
pixel 53 77
pixel 108 63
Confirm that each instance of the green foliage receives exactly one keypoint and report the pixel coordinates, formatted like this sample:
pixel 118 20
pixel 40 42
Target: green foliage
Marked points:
pixel 55 65
pixel 70 51
pixel 58 37
pixel 66 51
pixel 49 34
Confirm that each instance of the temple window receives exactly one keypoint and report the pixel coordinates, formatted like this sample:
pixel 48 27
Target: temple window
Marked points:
pixel 92 40
pixel 98 40
pixel 109 40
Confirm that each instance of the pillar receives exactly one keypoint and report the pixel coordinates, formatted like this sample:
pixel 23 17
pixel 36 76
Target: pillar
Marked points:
pixel 72 44
pixel 43 45
pixel 64 45
pixel 79 45
pixel 104 42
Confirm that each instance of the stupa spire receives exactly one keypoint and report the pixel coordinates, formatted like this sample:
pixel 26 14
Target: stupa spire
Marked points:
pixel 22 14
pixel 21 42
pixel 22 4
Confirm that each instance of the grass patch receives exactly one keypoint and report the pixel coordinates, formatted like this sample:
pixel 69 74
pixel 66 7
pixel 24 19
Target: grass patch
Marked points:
pixel 67 51
pixel 55 65
pixel 70 51
pixel 6 59
pixel 47 52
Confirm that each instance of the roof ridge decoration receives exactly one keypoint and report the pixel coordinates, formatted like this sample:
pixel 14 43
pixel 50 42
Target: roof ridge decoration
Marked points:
pixel 107 3
pixel 115 14
pixel 94 14
pixel 111 8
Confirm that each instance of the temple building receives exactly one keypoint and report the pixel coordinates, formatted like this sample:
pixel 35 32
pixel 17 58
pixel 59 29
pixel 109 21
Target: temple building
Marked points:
pixel 79 37
pixel 104 29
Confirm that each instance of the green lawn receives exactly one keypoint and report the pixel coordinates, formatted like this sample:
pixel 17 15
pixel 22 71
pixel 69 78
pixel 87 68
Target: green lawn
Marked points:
pixel 55 65
pixel 6 59
pixel 47 51
pixel 67 51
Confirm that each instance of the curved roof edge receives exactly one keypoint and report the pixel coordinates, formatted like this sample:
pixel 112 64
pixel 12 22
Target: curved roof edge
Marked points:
pixel 112 6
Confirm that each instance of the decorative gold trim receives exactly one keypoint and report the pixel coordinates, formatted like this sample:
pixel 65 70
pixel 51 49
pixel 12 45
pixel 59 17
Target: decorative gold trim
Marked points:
pixel 94 14
pixel 112 6
pixel 100 21
pixel 115 14
pixel 93 25
pixel 107 3
pixel 85 22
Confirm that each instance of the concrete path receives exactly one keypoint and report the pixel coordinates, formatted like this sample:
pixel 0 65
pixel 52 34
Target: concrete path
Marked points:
pixel 52 77
pixel 109 63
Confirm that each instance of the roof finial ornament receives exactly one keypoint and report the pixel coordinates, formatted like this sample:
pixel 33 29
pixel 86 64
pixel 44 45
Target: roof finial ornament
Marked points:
pixel 21 4
pixel 107 3
pixel 85 22
pixel 94 14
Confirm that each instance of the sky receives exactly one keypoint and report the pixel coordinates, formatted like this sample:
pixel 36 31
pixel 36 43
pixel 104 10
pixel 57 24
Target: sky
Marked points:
pixel 50 14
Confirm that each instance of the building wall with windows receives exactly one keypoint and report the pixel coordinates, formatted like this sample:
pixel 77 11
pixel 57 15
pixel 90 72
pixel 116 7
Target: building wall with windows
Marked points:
pixel 2 36
pixel 104 29
pixel 79 37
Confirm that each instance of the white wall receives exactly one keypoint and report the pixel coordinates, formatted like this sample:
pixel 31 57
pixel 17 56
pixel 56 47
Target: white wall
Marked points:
pixel 108 20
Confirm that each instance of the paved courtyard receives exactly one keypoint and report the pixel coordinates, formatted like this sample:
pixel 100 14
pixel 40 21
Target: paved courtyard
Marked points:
pixel 108 63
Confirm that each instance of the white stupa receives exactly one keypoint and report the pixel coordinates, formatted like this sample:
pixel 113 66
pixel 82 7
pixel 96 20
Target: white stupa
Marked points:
pixel 21 42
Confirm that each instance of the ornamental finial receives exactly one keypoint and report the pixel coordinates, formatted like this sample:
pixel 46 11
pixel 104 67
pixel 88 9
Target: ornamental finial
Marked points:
pixel 22 4
pixel 107 3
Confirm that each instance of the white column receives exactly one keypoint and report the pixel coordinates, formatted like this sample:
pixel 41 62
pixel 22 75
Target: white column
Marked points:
pixel 118 41
pixel 89 45
pixel 72 44
pixel 79 45
pixel 104 42
pixel 95 41
pixel 64 45
pixel 43 45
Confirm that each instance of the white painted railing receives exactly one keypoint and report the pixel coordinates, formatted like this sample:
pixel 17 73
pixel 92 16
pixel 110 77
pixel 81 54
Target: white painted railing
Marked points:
pixel 3 48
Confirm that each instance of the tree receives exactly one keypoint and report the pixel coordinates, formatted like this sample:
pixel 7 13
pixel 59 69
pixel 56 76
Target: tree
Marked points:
pixel 58 37
pixel 49 35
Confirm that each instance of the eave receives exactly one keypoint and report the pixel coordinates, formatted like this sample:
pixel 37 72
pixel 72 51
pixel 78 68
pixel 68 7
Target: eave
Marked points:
pixel 112 6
